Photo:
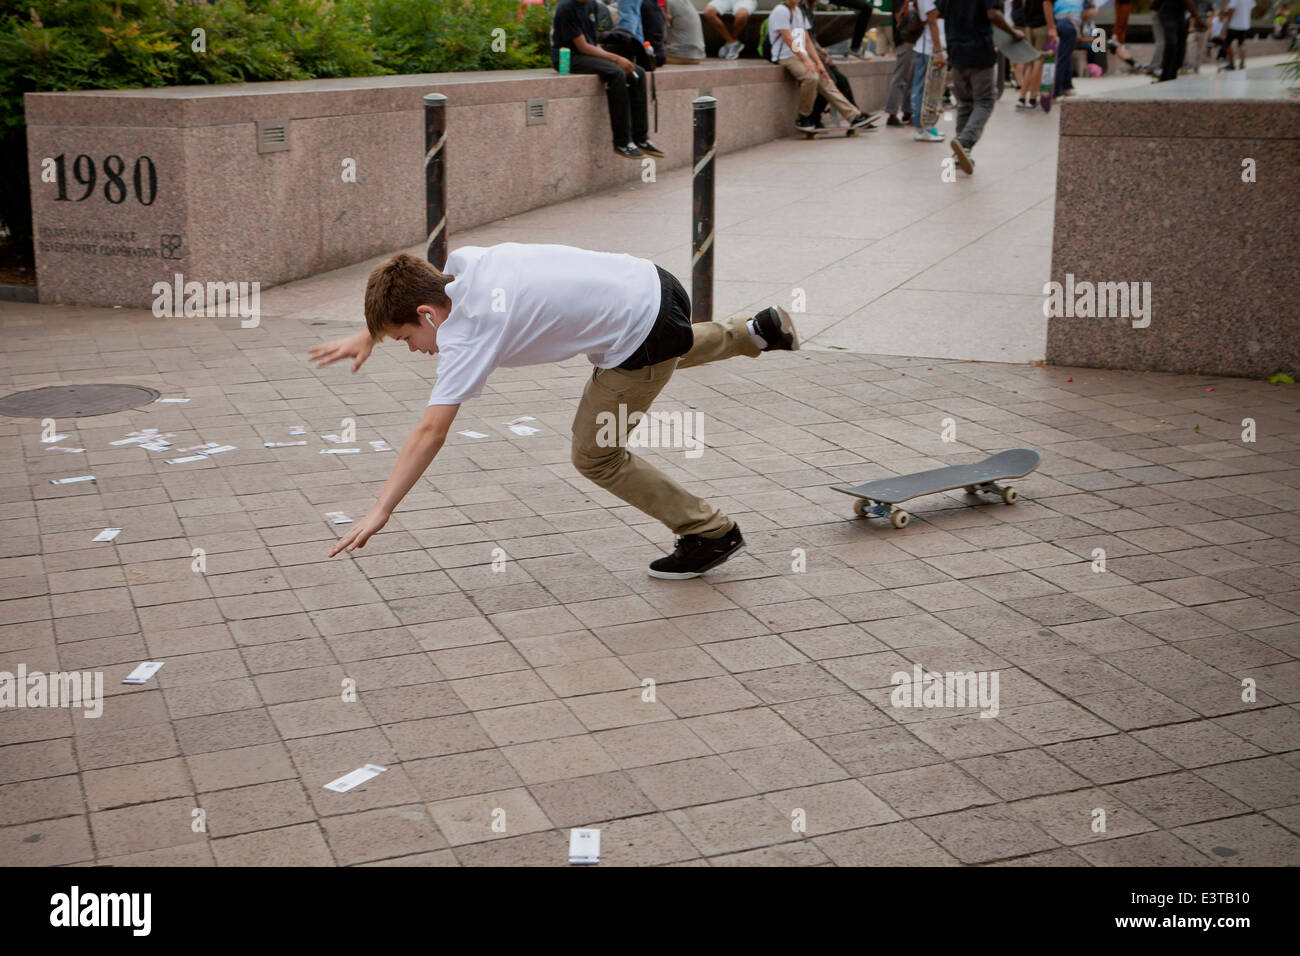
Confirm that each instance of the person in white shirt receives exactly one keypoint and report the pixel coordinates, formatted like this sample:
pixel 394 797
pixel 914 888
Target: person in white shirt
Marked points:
pixel 1238 17
pixel 928 47
pixel 518 304
pixel 789 33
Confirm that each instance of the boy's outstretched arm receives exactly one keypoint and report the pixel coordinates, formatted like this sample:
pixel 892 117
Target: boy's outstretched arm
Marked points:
pixel 418 451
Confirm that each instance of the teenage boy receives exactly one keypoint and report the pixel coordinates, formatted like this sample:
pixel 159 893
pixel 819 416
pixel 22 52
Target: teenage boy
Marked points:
pixel 929 46
pixel 968 27
pixel 1238 16
pixel 789 33
pixel 517 304
pixel 574 25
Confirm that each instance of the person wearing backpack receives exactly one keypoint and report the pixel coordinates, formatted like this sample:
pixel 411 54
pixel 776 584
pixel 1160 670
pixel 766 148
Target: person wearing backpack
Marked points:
pixel 574 25
pixel 907 30
pixel 789 32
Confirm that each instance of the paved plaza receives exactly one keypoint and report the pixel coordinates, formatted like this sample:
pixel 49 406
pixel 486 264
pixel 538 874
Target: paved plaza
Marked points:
pixel 517 672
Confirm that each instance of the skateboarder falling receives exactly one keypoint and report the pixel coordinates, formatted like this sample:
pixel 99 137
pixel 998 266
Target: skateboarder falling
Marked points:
pixel 515 304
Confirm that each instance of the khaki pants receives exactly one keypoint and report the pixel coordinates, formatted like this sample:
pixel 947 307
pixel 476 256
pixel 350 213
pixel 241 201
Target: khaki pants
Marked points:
pixel 811 83
pixel 622 473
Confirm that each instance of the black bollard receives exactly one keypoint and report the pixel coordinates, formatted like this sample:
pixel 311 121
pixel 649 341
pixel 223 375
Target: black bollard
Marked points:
pixel 706 125
pixel 435 178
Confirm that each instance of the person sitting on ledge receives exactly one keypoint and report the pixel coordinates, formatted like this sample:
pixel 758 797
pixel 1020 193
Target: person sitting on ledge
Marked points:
pixel 574 25
pixel 684 42
pixel 789 34
pixel 740 10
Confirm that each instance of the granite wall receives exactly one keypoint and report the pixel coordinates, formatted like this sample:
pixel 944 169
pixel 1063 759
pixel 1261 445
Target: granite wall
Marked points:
pixel 1194 200
pixel 140 185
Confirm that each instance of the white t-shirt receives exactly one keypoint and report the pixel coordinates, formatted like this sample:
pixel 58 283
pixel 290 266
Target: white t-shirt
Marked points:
pixel 522 304
pixel 923 45
pixel 1241 10
pixel 783 18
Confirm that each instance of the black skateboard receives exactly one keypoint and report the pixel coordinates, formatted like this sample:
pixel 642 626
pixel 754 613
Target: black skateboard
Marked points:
pixel 876 499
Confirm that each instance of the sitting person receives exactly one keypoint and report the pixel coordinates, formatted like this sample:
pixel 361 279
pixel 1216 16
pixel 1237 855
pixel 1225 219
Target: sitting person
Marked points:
pixel 575 26
pixel 740 10
pixel 684 42
pixel 789 33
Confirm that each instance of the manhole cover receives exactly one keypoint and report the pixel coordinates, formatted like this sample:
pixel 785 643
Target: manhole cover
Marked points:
pixel 75 401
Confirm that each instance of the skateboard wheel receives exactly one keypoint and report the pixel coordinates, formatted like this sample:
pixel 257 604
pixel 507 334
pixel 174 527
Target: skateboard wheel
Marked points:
pixel 899 519
pixel 970 489
pixel 1010 495
pixel 860 507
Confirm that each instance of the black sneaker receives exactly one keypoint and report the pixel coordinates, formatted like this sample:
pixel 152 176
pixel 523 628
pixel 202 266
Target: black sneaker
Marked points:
pixel 893 121
pixel 804 124
pixel 649 148
pixel 774 325
pixel 629 151
pixel 862 121
pixel 695 555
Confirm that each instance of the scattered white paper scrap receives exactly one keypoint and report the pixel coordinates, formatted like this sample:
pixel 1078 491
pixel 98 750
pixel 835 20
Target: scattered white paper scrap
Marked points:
pixel 132 440
pixel 219 449
pixel 332 439
pixel 71 481
pixel 338 517
pixel 524 430
pixel 282 444
pixel 380 446
pixel 340 451
pixel 143 672
pixel 297 430
pixel 357 777
pixel 947 117
pixel 171 401
pixel 61 448
pixel 584 846
pixel 156 445
pixel 108 534
pixel 181 461
pixel 53 438
pixel 206 445
pixel 472 434
pixel 521 418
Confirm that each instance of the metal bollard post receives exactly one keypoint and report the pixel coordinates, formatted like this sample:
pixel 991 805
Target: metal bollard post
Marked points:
pixel 435 178
pixel 706 125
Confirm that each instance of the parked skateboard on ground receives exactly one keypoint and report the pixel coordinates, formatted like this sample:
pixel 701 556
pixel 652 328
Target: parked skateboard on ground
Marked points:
pixel 1048 85
pixel 876 499
pixel 936 81
pixel 823 131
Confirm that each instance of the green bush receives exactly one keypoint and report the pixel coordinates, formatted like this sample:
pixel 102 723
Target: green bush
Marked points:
pixel 50 45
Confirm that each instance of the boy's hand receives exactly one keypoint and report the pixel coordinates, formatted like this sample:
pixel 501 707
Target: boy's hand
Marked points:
pixel 356 347
pixel 362 530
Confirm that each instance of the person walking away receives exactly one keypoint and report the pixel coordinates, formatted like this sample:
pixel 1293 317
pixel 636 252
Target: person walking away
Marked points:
pixel 968 25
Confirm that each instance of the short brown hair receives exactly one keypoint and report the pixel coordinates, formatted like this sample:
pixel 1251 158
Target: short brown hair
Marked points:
pixel 399 287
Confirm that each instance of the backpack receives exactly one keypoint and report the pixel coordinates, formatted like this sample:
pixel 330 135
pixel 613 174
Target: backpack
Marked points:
pixel 765 40
pixel 910 26
pixel 625 44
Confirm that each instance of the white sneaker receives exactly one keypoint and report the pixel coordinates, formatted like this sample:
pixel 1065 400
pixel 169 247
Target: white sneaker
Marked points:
pixel 930 135
pixel 736 47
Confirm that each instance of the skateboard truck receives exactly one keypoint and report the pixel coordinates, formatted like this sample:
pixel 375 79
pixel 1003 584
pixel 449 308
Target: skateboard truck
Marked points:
pixel 866 508
pixel 1008 493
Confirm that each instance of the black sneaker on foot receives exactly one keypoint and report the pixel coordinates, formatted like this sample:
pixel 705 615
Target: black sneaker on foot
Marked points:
pixel 774 325
pixel 893 121
pixel 695 555
pixel 649 148
pixel 629 151
pixel 805 124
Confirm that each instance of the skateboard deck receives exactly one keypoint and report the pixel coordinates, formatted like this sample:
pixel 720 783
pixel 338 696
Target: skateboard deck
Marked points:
pixel 878 498
pixel 846 130
pixel 936 80
pixel 1048 84
pixel 1017 51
